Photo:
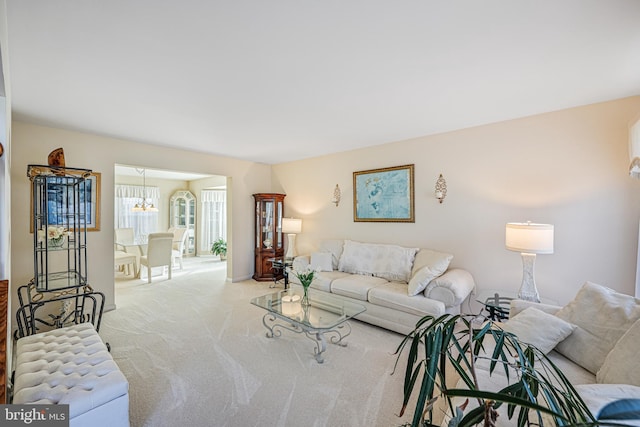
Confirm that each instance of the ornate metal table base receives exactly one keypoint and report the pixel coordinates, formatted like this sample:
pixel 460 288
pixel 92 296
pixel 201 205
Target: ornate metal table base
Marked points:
pixel 338 334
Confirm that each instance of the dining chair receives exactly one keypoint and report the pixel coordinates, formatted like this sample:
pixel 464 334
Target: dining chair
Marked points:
pixel 125 260
pixel 159 249
pixel 123 237
pixel 179 241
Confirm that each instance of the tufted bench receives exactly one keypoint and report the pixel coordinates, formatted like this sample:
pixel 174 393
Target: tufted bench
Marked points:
pixel 72 365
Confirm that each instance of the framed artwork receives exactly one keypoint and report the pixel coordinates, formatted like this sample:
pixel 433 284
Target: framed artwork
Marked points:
pixel 92 196
pixel 384 195
pixel 59 201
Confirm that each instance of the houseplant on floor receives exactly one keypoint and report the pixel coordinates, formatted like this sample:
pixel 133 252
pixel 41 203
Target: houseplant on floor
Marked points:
pixel 450 345
pixel 219 247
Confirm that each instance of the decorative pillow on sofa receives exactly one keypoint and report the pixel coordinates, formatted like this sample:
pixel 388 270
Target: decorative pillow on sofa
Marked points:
pixel 619 366
pixel 427 266
pixel 334 247
pixel 390 262
pixel 602 316
pixel 321 261
pixel 539 329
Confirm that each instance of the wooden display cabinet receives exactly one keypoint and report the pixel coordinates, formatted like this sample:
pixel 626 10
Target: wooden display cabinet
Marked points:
pixel 268 241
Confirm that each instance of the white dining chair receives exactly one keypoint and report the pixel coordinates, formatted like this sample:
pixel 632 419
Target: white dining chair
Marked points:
pixel 125 260
pixel 123 237
pixel 159 249
pixel 179 241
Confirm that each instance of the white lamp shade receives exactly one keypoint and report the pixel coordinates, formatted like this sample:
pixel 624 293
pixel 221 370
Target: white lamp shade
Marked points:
pixel 530 238
pixel 291 225
pixel 634 150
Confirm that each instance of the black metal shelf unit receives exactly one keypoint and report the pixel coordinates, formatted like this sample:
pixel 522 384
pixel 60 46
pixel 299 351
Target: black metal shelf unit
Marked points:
pixel 58 294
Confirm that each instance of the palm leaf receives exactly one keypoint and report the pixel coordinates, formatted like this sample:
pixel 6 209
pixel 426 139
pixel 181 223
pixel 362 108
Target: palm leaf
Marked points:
pixel 540 387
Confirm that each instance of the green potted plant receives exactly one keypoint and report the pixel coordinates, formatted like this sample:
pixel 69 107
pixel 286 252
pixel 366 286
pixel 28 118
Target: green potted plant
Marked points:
pixel 219 247
pixel 440 347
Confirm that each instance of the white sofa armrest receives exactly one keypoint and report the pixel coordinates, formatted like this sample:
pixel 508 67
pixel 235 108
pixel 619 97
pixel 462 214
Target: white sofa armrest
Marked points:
pixel 453 287
pixel 517 305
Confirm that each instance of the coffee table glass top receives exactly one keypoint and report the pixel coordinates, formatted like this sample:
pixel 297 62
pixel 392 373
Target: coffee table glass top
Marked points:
pixel 325 314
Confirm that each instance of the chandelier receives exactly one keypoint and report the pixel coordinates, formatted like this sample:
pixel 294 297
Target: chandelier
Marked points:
pixel 143 206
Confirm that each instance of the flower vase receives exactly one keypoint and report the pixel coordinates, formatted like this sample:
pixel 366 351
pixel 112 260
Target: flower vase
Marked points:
pixel 56 242
pixel 305 298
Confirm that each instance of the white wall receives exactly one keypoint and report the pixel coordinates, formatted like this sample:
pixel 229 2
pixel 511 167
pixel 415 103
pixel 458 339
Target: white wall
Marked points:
pixel 32 144
pixel 568 168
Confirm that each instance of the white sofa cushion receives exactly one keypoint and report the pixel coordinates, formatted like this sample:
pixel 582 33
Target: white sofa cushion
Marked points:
pixel 602 316
pixel 620 365
pixel 334 247
pixel 597 396
pixel 429 257
pixel 321 261
pixel 390 262
pixel 428 265
pixel 356 286
pixel 394 295
pixel 539 329
pixel 321 281
pixel 518 305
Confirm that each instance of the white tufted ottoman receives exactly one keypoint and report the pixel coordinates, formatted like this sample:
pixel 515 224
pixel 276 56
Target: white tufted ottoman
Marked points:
pixel 72 366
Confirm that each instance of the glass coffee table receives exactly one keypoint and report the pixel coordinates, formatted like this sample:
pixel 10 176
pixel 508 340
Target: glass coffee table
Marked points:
pixel 328 316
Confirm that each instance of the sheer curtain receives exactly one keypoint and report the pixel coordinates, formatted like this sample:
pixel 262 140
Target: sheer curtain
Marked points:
pixel 142 223
pixel 214 217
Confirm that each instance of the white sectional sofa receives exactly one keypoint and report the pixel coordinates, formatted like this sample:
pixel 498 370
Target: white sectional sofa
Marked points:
pixel 397 285
pixel 594 340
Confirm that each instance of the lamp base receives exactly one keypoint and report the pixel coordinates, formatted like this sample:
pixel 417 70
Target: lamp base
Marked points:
pixel 528 290
pixel 291 246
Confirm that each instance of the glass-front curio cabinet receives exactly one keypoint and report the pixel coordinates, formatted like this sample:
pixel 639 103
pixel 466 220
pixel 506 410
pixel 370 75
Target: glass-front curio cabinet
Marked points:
pixel 269 210
pixel 183 215
pixel 59 294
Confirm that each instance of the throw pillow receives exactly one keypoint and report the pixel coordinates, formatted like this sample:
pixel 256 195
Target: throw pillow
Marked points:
pixel 389 262
pixel 619 366
pixel 321 261
pixel 333 246
pixel 539 329
pixel 434 259
pixel 602 316
pixel 431 264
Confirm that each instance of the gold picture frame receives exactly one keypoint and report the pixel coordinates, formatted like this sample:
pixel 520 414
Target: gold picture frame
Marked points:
pixel 384 195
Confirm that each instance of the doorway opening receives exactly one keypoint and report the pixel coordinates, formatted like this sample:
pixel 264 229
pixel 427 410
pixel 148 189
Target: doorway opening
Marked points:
pixel 153 200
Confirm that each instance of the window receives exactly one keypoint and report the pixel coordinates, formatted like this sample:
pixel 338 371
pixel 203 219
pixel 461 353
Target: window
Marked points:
pixel 214 217
pixel 142 223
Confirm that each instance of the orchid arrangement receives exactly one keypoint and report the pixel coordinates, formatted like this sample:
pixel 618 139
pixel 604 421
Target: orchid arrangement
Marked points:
pixel 305 276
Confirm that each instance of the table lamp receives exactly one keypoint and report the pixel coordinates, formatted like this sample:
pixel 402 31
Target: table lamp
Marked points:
pixel 529 239
pixel 291 227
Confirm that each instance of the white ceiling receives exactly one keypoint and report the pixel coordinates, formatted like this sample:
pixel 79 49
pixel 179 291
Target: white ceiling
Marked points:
pixel 123 170
pixel 280 80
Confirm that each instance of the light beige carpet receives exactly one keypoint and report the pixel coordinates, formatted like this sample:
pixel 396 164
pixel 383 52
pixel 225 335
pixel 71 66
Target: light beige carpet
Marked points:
pixel 195 353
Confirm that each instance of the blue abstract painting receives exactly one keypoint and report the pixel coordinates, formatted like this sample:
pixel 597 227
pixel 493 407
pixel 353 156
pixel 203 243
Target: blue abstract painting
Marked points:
pixel 384 195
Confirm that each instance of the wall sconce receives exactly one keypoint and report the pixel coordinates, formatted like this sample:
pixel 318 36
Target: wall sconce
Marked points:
pixel 441 188
pixel 336 196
